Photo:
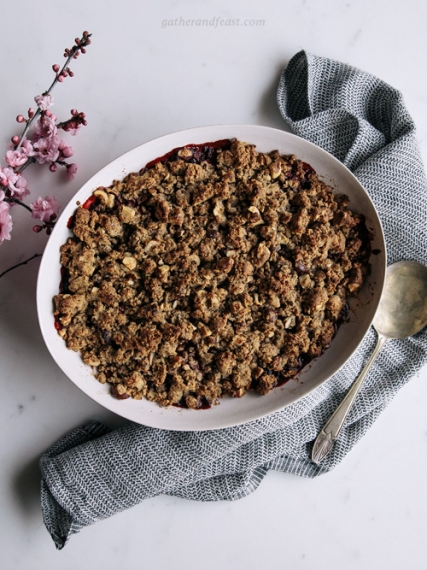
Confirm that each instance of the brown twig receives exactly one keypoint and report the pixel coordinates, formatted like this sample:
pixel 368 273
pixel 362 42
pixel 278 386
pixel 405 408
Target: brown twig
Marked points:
pixel 19 264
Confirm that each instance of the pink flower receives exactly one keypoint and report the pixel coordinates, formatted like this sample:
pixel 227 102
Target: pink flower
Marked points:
pixel 15 158
pixel 16 183
pixel 2 195
pixel 20 190
pixel 44 102
pixel 44 209
pixel 5 222
pixel 4 175
pixel 45 127
pixel 71 170
pixel 27 146
pixel 18 157
pixel 46 149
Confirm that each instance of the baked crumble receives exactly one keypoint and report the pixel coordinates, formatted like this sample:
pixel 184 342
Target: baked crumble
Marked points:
pixel 215 270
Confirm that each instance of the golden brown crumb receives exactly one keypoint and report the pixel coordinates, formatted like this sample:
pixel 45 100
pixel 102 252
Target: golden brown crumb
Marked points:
pixel 214 272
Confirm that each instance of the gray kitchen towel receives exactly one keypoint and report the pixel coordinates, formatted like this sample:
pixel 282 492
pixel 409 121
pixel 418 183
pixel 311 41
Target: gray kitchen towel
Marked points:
pixel 93 472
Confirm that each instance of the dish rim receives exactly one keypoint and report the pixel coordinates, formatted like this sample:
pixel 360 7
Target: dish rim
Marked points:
pixel 178 419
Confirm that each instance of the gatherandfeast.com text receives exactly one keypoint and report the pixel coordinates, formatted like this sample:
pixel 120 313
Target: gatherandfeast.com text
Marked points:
pixel 215 22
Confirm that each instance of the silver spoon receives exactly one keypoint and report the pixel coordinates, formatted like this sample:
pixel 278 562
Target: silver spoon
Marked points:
pixel 402 312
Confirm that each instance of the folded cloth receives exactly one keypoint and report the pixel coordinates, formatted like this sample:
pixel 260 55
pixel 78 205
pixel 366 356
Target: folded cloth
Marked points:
pixel 93 472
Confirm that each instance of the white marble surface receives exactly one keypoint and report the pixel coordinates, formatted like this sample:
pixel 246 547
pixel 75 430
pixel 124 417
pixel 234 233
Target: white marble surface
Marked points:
pixel 140 80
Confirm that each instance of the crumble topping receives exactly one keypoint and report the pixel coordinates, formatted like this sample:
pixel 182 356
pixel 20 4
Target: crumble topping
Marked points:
pixel 215 270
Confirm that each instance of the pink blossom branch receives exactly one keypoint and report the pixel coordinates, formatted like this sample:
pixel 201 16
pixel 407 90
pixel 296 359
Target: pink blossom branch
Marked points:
pixel 74 122
pixel 79 46
pixel 44 146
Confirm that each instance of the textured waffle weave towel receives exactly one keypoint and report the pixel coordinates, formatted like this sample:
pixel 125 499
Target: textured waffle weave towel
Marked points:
pixel 93 473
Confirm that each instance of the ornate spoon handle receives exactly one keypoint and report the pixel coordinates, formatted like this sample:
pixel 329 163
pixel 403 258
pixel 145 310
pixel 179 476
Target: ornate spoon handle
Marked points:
pixel 332 428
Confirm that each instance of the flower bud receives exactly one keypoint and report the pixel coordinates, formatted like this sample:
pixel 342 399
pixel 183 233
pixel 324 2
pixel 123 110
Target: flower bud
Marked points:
pixel 56 68
pixel 71 170
pixel 20 119
pixel 67 151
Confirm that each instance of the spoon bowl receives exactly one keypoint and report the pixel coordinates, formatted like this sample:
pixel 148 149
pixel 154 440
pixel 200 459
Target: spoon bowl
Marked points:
pixel 401 313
